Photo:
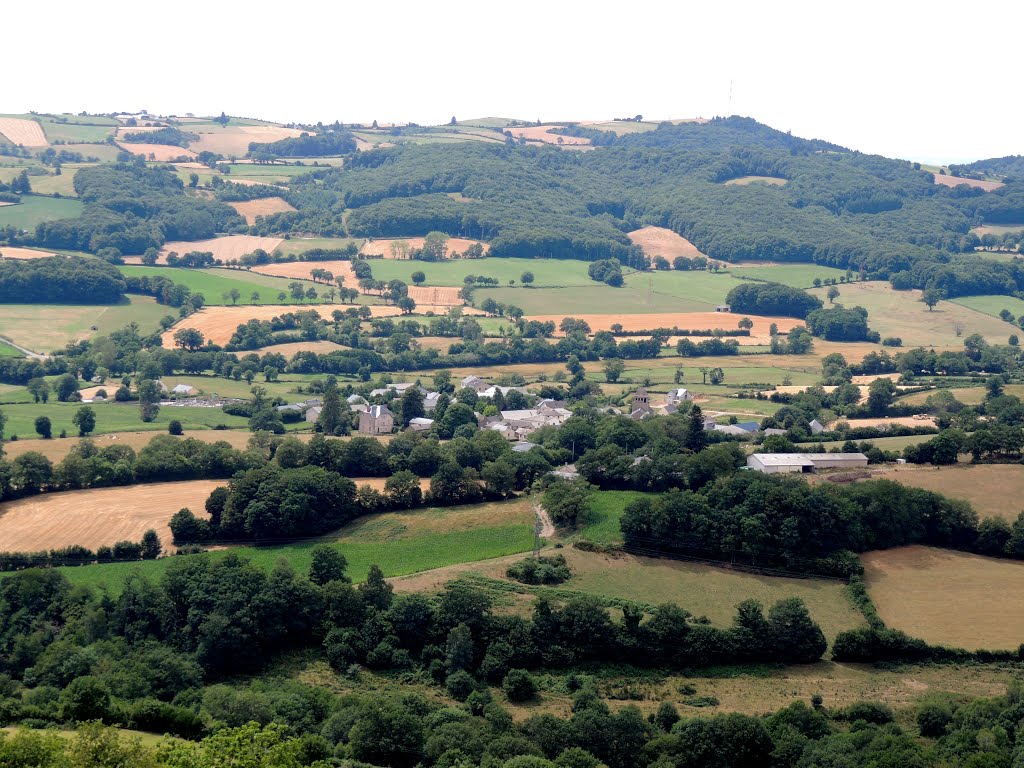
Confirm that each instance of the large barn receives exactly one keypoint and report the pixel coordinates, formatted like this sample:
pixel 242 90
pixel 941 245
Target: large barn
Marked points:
pixel 780 463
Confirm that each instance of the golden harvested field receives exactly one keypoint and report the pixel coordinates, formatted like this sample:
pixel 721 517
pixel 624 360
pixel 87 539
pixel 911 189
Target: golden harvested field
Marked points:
pixel 27 133
pixel 946 597
pixel 436 296
pixel 250 209
pixel 994 490
pixel 683 320
pixel 901 313
pixel 382 247
pixel 223 248
pixel 217 324
pixel 234 139
pixel 319 347
pixel 903 421
pixel 303 270
pixel 659 241
pixel 10 252
pixel 953 181
pixel 97 517
pixel 743 181
pixel 55 450
pixel 163 153
pixel 542 134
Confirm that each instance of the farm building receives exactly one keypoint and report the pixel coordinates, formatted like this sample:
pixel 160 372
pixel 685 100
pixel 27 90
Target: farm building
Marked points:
pixel 420 425
pixel 723 308
pixel 678 395
pixel 782 463
pixel 378 420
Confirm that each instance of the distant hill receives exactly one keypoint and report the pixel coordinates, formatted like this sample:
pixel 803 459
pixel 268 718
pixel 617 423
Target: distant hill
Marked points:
pixel 1011 166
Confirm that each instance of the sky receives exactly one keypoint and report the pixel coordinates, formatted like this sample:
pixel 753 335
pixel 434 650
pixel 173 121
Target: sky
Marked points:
pixel 928 81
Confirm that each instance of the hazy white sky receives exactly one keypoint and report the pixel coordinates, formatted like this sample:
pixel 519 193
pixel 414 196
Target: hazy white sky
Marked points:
pixel 930 81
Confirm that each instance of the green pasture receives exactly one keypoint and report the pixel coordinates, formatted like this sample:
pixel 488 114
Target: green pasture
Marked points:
pixel 299 245
pixel 398 542
pixel 111 417
pixel 547 273
pixel 33 209
pixel 795 275
pixel 992 305
pixel 606 508
pixel 49 327
pixel 214 283
pixel 6 350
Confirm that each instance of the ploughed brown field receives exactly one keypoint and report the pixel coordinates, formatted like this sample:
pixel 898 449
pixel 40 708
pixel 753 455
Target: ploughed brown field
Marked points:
pixel 235 139
pixel 542 133
pixel 659 241
pixel 759 334
pixel 382 247
pixel 953 181
pixel 27 133
pixel 946 597
pixel 250 209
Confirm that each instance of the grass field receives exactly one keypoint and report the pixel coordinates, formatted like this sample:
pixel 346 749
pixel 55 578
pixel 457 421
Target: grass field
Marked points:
pixel 6 350
pixel 606 510
pixel 415 541
pixel 642 294
pixel 547 272
pixel 883 443
pixel 795 275
pixel 901 313
pixel 299 244
pixel 997 229
pixel 993 305
pixel 994 490
pixel 33 210
pixel 67 322
pixel 946 597
pixel 63 185
pixel 215 283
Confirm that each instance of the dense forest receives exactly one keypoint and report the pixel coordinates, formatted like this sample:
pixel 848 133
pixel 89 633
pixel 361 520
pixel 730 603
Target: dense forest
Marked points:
pixel 306 145
pixel 60 280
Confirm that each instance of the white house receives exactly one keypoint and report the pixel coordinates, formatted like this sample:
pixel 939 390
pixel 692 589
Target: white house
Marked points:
pixel 678 395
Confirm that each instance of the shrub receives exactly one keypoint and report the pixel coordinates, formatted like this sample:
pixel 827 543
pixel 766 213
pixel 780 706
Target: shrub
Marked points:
pixel 540 570
pixel 460 685
pixel 519 686
pixel 870 712
pixel 175 428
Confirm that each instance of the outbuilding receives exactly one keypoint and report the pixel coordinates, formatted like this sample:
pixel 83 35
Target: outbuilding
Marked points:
pixel 795 463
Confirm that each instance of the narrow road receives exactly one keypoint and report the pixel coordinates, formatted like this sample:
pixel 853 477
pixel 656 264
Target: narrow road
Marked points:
pixel 21 349
pixel 547 528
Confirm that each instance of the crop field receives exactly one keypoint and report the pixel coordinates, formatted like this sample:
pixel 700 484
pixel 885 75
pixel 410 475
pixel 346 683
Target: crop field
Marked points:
pixel 547 273
pixel 993 305
pixel 303 270
pixel 250 209
pixel 98 516
pixel 319 347
pixel 112 417
pixel 589 299
pixel 659 241
pixel 13 252
pixel 33 210
pixel 947 597
pixel 218 323
pixel 223 248
pixel 382 246
pixel 435 296
pixel 901 313
pixel 994 490
pixel 795 275
pixel 298 245
pixel 234 140
pixel 743 181
pixel 68 322
pixel 683 320
pixel 996 229
pixel 19 131
pixel 419 540
pixel 955 181
pixel 542 134
pixel 215 283
pixel 883 443
pixel 161 153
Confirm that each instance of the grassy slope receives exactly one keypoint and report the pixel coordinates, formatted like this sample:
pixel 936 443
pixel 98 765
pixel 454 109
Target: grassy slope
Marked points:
pixel 795 275
pixel 546 272
pixel 214 283
pixel 66 322
pixel 992 305
pixel 33 210
pixel 111 417
pixel 6 350
pixel 400 543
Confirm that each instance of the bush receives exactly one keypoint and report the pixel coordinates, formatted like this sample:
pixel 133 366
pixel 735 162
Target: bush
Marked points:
pixel 519 686
pixel 540 570
pixel 175 428
pixel 932 719
pixel 460 685
pixel 869 712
